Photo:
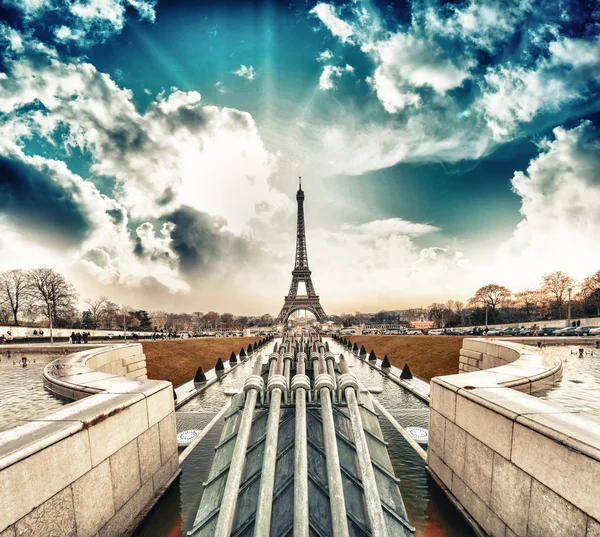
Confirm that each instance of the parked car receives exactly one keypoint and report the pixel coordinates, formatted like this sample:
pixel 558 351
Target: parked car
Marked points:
pixel 565 332
pixel 514 331
pixel 435 332
pixel 547 331
pixel 584 330
pixel 526 332
pixel 495 331
pixel 595 331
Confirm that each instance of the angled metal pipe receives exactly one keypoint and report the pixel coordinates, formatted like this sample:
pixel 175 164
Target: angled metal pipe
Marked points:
pixel 276 386
pixel 301 386
pixel 324 384
pixel 349 386
pixel 254 384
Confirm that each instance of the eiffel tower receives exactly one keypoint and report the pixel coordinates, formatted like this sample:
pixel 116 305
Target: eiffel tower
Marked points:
pixel 301 273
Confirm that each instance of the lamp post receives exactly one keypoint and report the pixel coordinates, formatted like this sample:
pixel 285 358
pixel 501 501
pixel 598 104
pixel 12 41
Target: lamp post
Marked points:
pixel 486 314
pixel 569 308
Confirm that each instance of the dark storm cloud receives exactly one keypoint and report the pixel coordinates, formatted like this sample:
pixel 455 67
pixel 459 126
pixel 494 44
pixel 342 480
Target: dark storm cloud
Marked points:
pixel 33 201
pixel 200 241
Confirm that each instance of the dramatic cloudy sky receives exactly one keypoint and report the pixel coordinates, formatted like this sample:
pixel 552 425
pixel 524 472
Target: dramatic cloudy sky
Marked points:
pixel 150 150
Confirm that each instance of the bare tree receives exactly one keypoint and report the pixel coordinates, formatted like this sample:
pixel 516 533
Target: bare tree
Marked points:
pixel 590 289
pixel 51 294
pixel 160 319
pixel 109 316
pixel 556 285
pixel 491 295
pixel 529 301
pixel 13 292
pixel 437 313
pixel 96 308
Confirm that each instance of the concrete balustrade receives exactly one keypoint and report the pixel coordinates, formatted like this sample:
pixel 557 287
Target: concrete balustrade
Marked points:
pixel 97 465
pixel 517 465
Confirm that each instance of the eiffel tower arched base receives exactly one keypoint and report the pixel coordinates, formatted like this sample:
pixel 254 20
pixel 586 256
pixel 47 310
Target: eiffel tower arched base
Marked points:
pixel 295 304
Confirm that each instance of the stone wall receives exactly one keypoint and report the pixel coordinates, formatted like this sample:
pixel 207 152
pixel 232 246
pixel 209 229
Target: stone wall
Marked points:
pixel 94 467
pixel 517 465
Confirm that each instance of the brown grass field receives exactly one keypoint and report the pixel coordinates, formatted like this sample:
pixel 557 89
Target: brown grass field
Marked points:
pixel 427 356
pixel 178 360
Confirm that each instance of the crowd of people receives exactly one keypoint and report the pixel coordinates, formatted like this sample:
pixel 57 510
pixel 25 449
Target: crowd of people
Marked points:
pixel 78 337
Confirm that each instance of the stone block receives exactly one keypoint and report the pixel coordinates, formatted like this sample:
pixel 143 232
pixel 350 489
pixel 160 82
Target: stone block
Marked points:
pixel 550 514
pixel 125 473
pixel 491 428
pixel 470 354
pixel 511 488
pixel 443 400
pixel 133 360
pixel 508 354
pixel 479 462
pixel 166 472
pixel 454 448
pixel 93 500
pixel 54 518
pixel 567 472
pixel 437 430
pixel 131 349
pixel 489 362
pixel 578 430
pixel 135 366
pixel 477 345
pixel 138 373
pixel 483 515
pixel 167 428
pixel 100 360
pixel 136 505
pixel 473 362
pixel 149 450
pixel 441 470
pixel 117 430
pixel 31 481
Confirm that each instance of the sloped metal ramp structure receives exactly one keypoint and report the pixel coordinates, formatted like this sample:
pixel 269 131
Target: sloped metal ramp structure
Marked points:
pixel 301 454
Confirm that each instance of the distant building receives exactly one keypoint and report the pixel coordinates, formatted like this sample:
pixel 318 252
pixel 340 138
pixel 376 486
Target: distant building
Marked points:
pixel 422 324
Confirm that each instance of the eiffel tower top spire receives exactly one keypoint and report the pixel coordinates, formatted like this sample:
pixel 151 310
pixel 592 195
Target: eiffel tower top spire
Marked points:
pixel 301 255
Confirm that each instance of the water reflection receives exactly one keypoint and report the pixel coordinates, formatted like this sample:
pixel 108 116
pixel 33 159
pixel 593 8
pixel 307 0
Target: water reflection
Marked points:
pixel 22 391
pixel 579 385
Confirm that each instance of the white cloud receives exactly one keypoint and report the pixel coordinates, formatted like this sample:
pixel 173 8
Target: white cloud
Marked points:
pixel 390 226
pixel 485 24
pixel 560 197
pixel 87 19
pixel 246 72
pixel 513 95
pixel 220 87
pixel 331 72
pixel 387 262
pixel 178 152
pixel 329 17
pixel 325 56
pixel 64 33
pixel 406 62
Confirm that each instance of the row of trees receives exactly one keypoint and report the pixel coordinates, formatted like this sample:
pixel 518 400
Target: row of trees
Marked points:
pixel 40 295
pixel 37 292
pixel 549 301
pixel 557 292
